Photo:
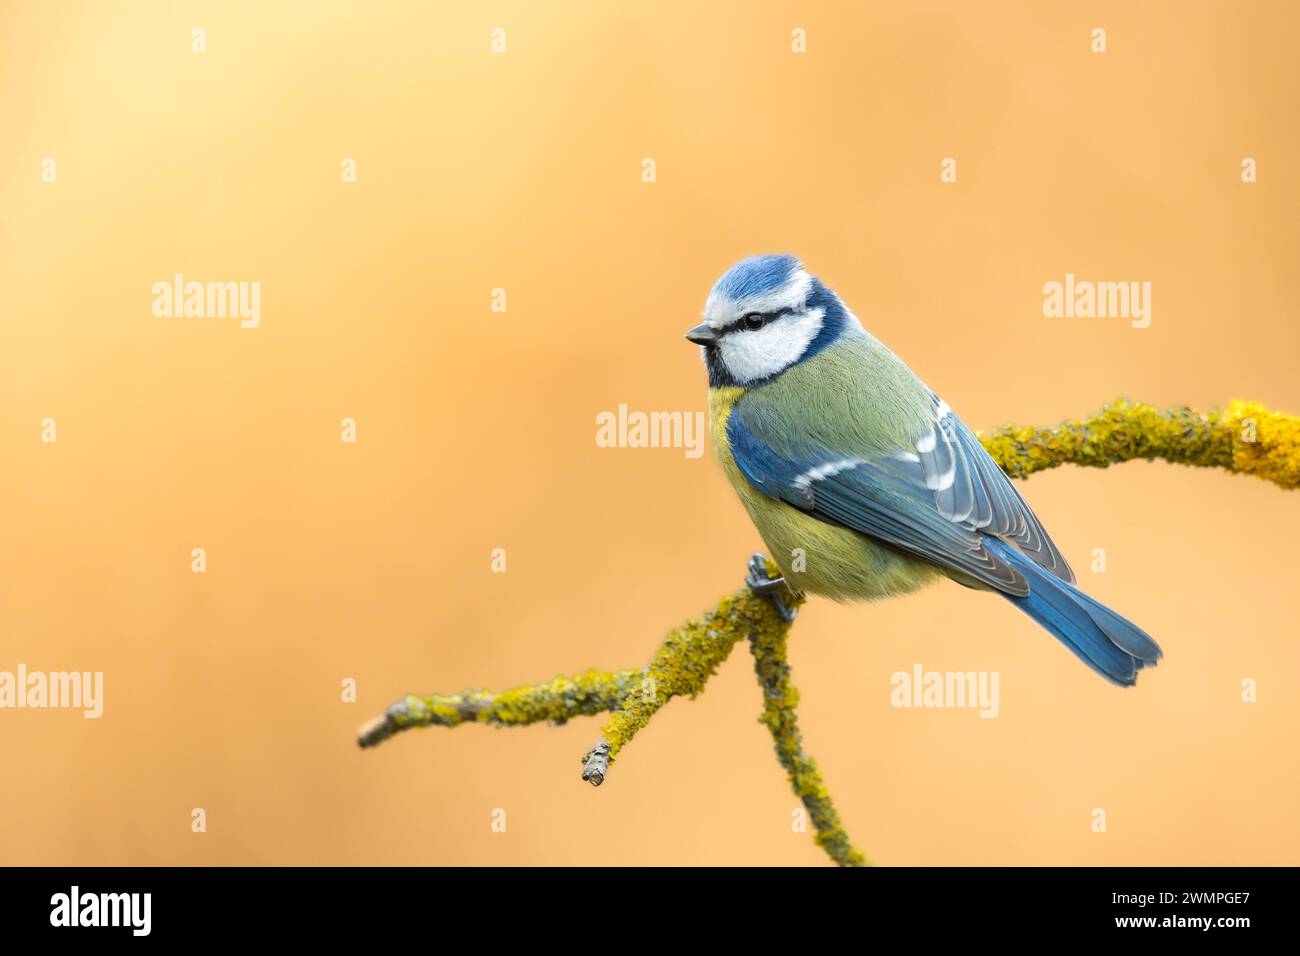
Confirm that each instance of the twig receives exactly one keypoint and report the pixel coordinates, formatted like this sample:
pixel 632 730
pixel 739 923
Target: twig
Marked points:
pixel 682 666
pixel 583 695
pixel 780 698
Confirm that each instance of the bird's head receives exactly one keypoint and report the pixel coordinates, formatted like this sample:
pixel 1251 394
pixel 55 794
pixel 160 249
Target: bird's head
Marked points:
pixel 764 315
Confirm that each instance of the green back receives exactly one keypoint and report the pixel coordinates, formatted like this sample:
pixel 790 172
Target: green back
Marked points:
pixel 856 398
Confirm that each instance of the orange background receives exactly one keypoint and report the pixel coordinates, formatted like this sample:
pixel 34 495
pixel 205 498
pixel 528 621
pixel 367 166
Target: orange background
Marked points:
pixel 476 430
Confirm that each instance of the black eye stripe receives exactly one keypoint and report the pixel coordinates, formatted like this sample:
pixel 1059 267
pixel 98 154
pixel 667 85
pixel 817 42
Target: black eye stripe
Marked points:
pixel 740 322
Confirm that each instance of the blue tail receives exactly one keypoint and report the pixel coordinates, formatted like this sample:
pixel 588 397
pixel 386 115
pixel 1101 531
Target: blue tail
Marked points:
pixel 1113 646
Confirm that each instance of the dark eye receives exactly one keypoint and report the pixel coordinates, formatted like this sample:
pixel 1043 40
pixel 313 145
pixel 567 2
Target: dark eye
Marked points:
pixel 754 321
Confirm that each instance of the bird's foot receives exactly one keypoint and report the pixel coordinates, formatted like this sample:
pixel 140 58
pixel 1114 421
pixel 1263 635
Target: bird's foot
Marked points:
pixel 764 585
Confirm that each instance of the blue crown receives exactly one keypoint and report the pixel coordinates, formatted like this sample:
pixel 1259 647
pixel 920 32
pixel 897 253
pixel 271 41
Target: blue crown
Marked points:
pixel 756 275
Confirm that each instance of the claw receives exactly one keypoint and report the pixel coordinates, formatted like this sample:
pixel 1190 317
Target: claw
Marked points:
pixel 764 585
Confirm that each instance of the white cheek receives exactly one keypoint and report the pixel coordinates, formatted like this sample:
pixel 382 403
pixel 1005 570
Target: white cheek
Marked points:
pixel 749 356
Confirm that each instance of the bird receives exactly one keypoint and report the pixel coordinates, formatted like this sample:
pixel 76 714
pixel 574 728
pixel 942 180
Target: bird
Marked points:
pixel 861 480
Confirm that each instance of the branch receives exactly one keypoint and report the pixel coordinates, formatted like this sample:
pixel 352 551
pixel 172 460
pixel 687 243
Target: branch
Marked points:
pixel 685 661
pixel 1247 438
pixel 584 695
pixel 779 701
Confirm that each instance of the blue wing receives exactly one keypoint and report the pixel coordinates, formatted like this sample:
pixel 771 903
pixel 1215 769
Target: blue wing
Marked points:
pixel 972 490
pixel 936 499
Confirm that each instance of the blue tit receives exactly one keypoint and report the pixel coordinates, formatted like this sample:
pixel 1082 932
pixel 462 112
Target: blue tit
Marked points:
pixel 862 481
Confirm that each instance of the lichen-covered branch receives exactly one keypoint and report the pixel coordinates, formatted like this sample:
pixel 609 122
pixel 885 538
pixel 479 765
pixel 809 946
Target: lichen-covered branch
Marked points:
pixel 683 664
pixel 780 698
pixel 587 694
pixel 1246 438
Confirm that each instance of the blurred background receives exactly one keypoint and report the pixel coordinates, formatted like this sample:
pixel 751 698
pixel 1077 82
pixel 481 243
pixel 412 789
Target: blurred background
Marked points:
pixel 522 170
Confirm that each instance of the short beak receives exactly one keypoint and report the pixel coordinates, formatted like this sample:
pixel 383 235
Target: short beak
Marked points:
pixel 702 334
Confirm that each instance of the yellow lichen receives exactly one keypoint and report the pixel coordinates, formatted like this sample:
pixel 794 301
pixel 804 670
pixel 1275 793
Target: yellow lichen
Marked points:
pixel 1121 431
pixel 780 698
pixel 1264 443
pixel 685 661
